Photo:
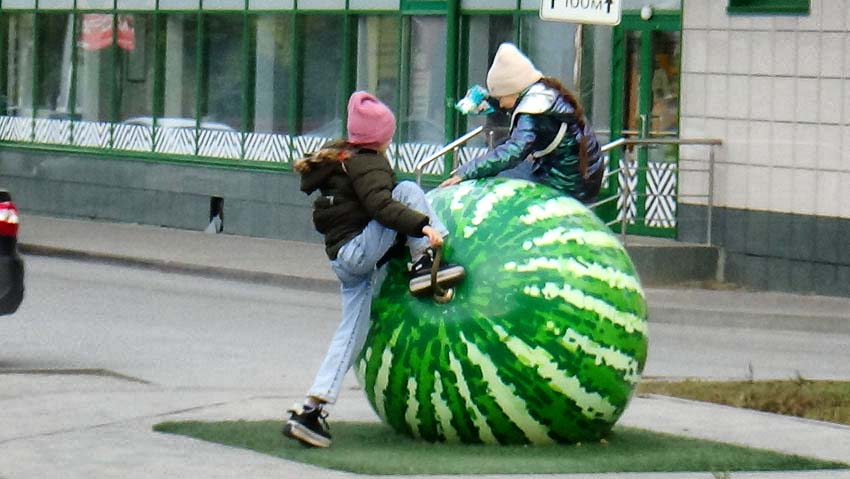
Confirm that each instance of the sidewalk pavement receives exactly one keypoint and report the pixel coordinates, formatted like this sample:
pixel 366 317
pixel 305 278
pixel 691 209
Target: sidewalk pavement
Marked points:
pixel 125 445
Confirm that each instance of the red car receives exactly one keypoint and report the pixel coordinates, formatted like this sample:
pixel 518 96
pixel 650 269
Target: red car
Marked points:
pixel 11 264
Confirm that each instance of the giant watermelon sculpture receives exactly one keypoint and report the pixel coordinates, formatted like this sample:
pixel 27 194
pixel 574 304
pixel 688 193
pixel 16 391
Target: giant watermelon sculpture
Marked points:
pixel 543 342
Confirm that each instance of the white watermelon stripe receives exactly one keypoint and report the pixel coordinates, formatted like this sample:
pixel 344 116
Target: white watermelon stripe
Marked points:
pixel 628 321
pixel 613 358
pixel 484 431
pixel 554 208
pixel 485 205
pixel 613 278
pixel 411 414
pixel 592 405
pixel 561 235
pixel 383 378
pixel 457 197
pixel 442 411
pixel 513 406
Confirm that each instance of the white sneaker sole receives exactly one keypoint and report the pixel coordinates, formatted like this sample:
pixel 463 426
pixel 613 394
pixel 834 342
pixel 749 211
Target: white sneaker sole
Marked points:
pixel 445 278
pixel 301 433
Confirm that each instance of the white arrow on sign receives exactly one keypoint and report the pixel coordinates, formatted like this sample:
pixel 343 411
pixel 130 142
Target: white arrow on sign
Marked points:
pixel 599 12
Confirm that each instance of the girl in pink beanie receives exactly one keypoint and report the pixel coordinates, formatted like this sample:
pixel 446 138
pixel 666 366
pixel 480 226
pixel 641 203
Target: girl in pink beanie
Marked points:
pixel 362 212
pixel 370 122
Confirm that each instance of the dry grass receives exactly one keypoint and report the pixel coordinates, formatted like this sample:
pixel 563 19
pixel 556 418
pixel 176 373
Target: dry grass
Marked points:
pixel 821 400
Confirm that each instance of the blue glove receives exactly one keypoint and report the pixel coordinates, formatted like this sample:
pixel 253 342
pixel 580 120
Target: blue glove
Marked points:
pixel 475 102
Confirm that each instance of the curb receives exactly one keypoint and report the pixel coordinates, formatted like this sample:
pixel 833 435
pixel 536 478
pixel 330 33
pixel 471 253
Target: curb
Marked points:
pixel 278 279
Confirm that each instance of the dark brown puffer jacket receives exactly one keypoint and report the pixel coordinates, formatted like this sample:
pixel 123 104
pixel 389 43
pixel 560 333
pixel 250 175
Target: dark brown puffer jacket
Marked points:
pixel 353 192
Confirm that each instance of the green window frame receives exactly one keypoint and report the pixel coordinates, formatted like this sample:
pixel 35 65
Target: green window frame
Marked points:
pixel 769 7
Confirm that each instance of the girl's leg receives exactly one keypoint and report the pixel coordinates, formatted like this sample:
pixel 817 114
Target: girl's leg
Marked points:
pixel 347 340
pixel 411 194
pixel 355 268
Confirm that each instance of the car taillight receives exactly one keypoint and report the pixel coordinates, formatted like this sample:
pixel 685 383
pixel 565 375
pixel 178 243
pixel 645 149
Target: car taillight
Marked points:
pixel 8 219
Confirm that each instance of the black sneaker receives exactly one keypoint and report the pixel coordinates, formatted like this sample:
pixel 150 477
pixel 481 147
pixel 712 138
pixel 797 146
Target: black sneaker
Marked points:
pixel 307 425
pixel 420 274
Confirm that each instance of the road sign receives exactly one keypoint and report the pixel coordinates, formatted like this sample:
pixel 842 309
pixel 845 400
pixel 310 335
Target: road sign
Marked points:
pixel 600 12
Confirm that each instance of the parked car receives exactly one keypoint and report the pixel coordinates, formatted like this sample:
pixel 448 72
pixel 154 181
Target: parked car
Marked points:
pixel 11 263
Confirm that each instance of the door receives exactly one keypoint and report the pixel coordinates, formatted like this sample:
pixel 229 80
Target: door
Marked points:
pixel 645 104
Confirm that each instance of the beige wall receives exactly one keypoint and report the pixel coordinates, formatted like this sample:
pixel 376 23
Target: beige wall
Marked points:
pixel 775 89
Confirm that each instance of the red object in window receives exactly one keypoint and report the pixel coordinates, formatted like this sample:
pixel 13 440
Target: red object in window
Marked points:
pixel 8 219
pixel 126 33
pixel 97 31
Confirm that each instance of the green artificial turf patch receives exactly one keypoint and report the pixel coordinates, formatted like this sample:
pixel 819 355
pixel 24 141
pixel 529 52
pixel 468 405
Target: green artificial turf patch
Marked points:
pixel 373 448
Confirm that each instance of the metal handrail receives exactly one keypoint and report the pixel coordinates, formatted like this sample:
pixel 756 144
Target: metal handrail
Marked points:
pixel 626 192
pixel 618 143
pixel 442 151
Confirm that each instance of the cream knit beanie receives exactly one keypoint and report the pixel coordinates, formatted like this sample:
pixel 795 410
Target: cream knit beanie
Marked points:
pixel 512 72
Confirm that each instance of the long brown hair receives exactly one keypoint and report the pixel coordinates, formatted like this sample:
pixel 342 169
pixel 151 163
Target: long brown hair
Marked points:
pixel 570 97
pixel 337 150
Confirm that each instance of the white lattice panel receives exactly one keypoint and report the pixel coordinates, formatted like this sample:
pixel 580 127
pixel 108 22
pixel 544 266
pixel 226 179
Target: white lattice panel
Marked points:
pixel 661 194
pixel 267 147
pixel 627 201
pixel 410 154
pixel 307 144
pixel 54 132
pixel 132 137
pixel 220 144
pixel 179 141
pixel 91 133
pixel 467 154
pixel 15 128
pixel 391 154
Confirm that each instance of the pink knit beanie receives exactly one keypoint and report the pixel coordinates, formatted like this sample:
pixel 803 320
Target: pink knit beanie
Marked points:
pixel 370 122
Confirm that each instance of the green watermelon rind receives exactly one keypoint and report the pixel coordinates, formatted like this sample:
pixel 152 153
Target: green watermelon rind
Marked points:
pixel 586 364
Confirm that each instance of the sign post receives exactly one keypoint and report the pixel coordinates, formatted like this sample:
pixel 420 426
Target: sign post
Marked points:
pixel 599 12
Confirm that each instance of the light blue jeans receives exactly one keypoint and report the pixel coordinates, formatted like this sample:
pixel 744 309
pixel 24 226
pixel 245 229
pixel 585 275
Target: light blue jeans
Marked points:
pixel 355 266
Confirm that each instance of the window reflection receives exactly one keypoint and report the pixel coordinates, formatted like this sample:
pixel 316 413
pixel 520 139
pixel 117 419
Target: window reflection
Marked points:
pixel 271 80
pixel 322 75
pixel 54 64
pixel 221 101
pixel 180 38
pixel 378 55
pixel 136 73
pixel 424 116
pixel 17 97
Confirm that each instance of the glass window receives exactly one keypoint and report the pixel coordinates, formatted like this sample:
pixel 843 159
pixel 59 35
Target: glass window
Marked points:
pixel 17 95
pixel 378 57
pixel 136 72
pixel 221 101
pixel 551 46
pixel 271 74
pixel 789 7
pixel 486 33
pixel 176 130
pixel 135 82
pixel 323 62
pixel 424 114
pixel 55 41
pixel 94 65
pixel 180 58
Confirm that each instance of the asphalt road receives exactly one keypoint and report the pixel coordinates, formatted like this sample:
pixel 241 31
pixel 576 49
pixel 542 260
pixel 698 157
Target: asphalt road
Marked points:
pixel 190 331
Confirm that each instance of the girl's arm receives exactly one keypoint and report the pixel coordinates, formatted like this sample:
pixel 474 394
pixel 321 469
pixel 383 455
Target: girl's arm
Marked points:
pixel 373 182
pixel 505 156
